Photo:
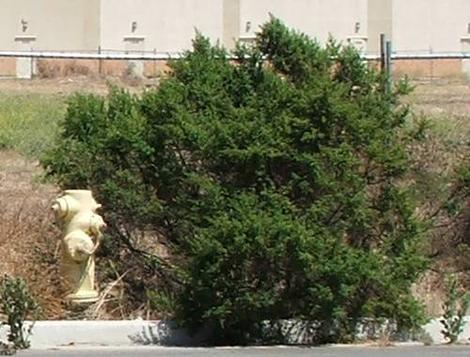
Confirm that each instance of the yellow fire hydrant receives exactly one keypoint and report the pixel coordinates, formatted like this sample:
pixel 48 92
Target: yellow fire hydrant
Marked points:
pixel 75 211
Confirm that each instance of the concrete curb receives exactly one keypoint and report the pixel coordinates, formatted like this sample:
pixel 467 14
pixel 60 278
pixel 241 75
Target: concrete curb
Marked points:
pixel 434 328
pixel 49 334
pixel 111 333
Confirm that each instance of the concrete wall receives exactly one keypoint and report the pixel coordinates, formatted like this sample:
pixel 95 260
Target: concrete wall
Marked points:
pixel 169 26
pixel 317 18
pixel 82 25
pixel 231 22
pixel 379 20
pixel 166 26
pixel 49 24
pixel 424 25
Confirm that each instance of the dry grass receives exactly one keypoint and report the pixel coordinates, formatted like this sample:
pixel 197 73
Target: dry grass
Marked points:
pixel 446 104
pixel 73 68
pixel 28 239
pixel 69 85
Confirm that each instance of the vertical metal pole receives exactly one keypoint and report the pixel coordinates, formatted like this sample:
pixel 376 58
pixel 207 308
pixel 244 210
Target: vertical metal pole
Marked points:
pixel 155 63
pixel 31 65
pixel 431 64
pixel 388 65
pixel 382 52
pixel 100 64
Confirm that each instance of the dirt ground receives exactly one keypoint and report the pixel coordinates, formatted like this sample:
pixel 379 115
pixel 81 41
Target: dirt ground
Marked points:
pixel 448 97
pixel 66 86
pixel 432 97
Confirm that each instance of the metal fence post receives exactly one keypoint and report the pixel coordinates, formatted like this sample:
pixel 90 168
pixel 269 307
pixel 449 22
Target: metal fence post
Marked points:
pixel 431 64
pixel 388 65
pixel 100 63
pixel 382 52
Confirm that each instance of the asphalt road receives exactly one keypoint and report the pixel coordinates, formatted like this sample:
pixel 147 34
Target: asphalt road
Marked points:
pixel 444 351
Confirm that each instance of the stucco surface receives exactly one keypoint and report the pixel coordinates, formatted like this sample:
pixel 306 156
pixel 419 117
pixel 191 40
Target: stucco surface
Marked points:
pixel 49 24
pixel 430 25
pixel 169 26
pixel 317 18
pixel 164 26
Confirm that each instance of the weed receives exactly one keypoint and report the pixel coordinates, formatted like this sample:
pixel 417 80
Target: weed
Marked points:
pixel 17 304
pixel 29 123
pixel 455 308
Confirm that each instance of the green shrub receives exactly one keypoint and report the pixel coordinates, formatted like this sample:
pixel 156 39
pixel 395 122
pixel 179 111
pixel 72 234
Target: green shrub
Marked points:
pixel 277 179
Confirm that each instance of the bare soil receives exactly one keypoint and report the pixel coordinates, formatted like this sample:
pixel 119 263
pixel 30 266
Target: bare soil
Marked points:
pixel 67 86
pixel 447 97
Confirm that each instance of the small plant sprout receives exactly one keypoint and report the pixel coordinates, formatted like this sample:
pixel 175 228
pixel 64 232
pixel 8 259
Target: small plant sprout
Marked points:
pixel 17 304
pixel 455 307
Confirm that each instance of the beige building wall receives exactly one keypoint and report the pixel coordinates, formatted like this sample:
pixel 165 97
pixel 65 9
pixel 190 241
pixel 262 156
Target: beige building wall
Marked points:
pixel 169 26
pixel 231 22
pixel 343 19
pixel 379 20
pixel 164 26
pixel 71 25
pixel 424 25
